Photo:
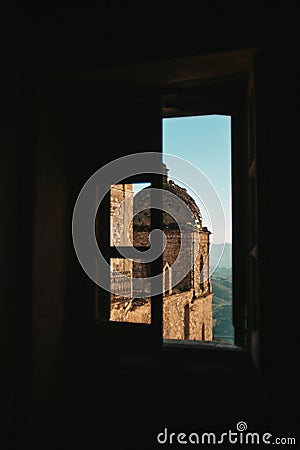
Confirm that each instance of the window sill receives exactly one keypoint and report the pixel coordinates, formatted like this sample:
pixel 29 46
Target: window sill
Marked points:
pixel 193 344
pixel 211 359
pixel 218 365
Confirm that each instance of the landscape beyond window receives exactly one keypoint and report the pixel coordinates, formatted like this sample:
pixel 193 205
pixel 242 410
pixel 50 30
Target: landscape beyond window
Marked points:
pixel 205 142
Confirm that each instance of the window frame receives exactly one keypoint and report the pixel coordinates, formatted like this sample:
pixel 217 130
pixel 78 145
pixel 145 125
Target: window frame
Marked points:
pixel 225 98
pixel 221 81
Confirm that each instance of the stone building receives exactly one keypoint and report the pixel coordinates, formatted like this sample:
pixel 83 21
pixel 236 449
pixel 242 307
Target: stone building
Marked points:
pixel 187 306
pixel 120 266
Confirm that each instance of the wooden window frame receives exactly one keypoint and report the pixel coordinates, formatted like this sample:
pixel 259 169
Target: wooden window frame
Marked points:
pixel 217 83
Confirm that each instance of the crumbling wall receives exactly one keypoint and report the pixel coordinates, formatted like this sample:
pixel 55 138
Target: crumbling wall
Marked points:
pixel 177 309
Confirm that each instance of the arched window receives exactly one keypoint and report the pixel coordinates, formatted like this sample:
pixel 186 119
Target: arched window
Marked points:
pixel 187 321
pixel 167 280
pixel 201 274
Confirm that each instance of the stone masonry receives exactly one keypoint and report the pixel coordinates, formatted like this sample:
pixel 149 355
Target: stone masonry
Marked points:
pixel 187 307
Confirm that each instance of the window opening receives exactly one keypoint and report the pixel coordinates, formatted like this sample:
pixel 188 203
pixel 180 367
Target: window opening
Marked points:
pixel 204 141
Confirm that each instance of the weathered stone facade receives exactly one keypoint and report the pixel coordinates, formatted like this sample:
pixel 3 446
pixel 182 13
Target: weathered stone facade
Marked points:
pixel 120 192
pixel 187 307
pixel 184 317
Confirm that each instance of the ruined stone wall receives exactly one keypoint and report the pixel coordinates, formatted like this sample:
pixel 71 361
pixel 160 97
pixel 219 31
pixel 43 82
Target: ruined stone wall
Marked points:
pixel 202 276
pixel 193 280
pixel 131 311
pixel 173 243
pixel 183 318
pixel 187 313
pixel 119 236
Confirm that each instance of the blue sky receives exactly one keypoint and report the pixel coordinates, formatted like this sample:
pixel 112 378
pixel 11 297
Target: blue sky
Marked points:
pixel 204 141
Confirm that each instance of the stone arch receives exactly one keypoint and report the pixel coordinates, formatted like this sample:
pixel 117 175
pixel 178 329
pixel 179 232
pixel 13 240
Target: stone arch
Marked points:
pixel 201 273
pixel 167 279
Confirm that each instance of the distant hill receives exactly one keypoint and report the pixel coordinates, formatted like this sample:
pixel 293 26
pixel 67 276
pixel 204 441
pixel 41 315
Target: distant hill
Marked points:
pixel 216 252
pixel 221 271
pixel 221 280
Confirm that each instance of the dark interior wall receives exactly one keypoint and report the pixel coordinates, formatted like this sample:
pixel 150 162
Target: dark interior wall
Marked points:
pixel 42 367
pixel 9 250
pixel 78 131
pixel 89 38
